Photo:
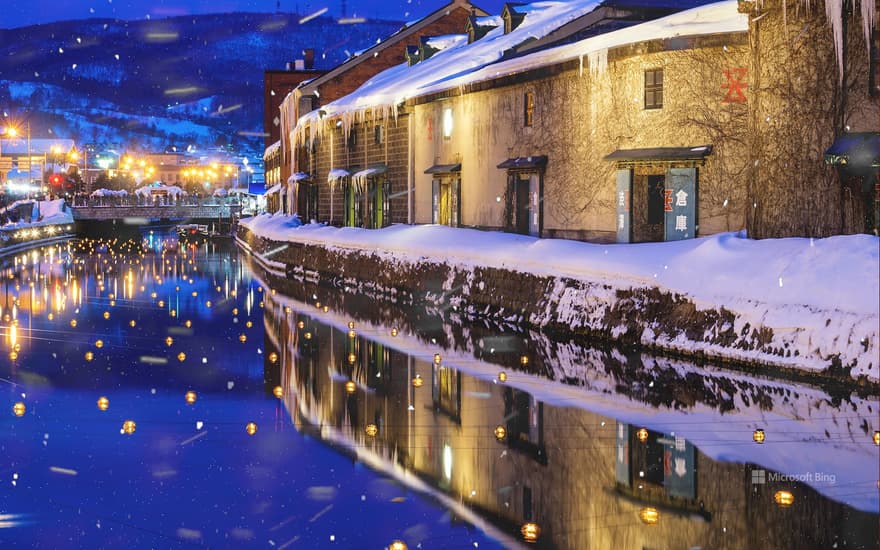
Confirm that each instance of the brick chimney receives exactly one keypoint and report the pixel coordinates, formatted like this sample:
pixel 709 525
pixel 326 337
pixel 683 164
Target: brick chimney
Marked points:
pixel 310 58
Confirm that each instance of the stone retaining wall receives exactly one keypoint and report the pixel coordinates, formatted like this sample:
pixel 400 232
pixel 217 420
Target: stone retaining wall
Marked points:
pixel 646 317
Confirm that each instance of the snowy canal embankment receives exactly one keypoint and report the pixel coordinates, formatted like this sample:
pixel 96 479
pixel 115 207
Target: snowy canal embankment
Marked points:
pixel 795 305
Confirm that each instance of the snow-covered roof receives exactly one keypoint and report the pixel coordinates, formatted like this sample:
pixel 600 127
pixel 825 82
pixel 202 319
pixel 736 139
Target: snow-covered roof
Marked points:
pixel 481 60
pixel 109 193
pixel 488 21
pixel 272 149
pixel 445 41
pixel 337 174
pixel 171 190
pixel 274 189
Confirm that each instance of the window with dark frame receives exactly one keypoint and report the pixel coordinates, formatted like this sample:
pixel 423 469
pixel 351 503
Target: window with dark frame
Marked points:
pixel 379 134
pixel 654 89
pixel 528 108
pixel 352 140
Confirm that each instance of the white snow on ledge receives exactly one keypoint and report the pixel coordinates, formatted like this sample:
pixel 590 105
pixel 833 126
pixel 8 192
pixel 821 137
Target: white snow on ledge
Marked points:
pixel 823 293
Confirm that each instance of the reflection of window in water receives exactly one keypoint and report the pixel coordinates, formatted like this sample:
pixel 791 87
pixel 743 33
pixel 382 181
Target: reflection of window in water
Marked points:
pixel 378 365
pixel 524 416
pixel 446 391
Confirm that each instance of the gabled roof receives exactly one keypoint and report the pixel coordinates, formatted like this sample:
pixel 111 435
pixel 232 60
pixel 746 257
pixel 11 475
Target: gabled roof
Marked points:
pixel 407 32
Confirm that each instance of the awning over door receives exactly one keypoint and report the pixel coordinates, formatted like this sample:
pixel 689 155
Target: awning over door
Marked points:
pixel 444 168
pixel 523 163
pixel 855 151
pixel 360 178
pixel 335 175
pixel 297 176
pixel 661 154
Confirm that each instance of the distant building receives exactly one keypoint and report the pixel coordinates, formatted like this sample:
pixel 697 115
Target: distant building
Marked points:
pixel 34 157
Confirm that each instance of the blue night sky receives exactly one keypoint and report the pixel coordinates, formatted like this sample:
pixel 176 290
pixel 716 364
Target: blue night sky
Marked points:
pixel 19 13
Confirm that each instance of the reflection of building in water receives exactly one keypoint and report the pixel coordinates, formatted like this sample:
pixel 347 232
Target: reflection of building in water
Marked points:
pixel 582 477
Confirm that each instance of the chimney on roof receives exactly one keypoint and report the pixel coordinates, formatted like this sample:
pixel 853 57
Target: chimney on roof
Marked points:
pixel 309 54
pixel 298 65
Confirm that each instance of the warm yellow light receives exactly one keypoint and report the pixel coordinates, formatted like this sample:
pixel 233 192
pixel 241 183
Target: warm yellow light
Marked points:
pixel 208 303
pixel 235 311
pixel 784 498
pixel 524 360
pixel 190 397
pixel 352 334
pixel 132 323
pixel 530 532
pixel 502 376
pixel 649 515
pixel 103 403
pixel 181 357
pixel 19 409
pixel 876 437
pixel 13 356
pixel 352 358
pixel 106 315
pixel 89 356
pixel 251 428
pixel 397 545
pixel 300 324
pixel 188 323
pixel 437 358
pixel 371 430
pixel 394 331
pixel 278 392
pixel 99 344
pixel 417 381
pixel 273 357
pixel 307 335
pixel 642 434
pixel 500 433
pixel 73 323
pixel 161 303
pixel 242 338
pixel 350 387
pixel 249 324
pixel 758 436
pixel 168 341
pixel 351 325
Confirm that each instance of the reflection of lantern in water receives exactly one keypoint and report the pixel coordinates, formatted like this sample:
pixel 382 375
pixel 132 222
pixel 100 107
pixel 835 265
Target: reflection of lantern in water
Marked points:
pixel 371 430
pixel 208 303
pixel 188 323
pixel 524 360
pixel 273 357
pixel 235 311
pixel 13 356
pixel 99 344
pixel 89 356
pixel 103 403
pixel 190 397
pixel 152 295
pixel 173 313
pixel 194 293
pixel 876 437
pixel 132 323
pixel 248 324
pixel 784 498
pixel 300 324
pixel 106 315
pixel 530 532
pixel 278 392
pixel 168 341
pixel 352 358
pixel 500 433
pixel 417 381
pixel 18 409
pixel 181 357
pixel 758 436
pixel 251 428
pixel 350 387
pixel 436 358
pixel 394 331
pixel 649 515
pixel 161 303
pixel 242 338
pixel 397 545
pixel 51 316
pixel 73 323
pixel 128 427
pixel 642 434
pixel 502 376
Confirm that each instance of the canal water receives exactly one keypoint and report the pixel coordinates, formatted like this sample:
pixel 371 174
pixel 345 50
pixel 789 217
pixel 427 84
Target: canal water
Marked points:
pixel 243 408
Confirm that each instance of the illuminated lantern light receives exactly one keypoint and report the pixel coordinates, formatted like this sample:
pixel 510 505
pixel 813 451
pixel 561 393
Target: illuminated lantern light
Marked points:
pixel 350 387
pixel 161 303
pixel 352 358
pixel 261 303
pixel 351 325
pixel 89 356
pixel 190 397
pixel 195 293
pixel 106 315
pixel 278 392
pixel 502 376
pixel 524 360
pixel 51 316
pixel 300 324
pixel 188 323
pixel 394 332
pixel 259 289
pixel 251 428
pixel 876 437
pixel 326 309
pixel 73 323
pixel 287 309
pixel 132 323
pixel 642 434
pixel 173 313
pixel 218 289
pixel 352 334
pixel 649 515
pixel 249 324
pixel 307 336
pixel 13 355
pixel 530 532
pixel 19 409
pixel 208 303
pixel 783 498
pixel 371 430
pixel 181 357
pixel 112 303
pixel 273 357
pixel 235 311
pixel 128 427
pixel 168 341
pixel 397 545
pixel 500 433
pixel 437 358
pixel 417 381
pixel 242 338
pixel 99 344
pixel 758 436
pixel 318 305
pixel 103 403
pixel 152 295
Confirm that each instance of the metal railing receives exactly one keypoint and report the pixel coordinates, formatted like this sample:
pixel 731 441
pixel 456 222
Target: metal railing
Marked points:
pixel 129 201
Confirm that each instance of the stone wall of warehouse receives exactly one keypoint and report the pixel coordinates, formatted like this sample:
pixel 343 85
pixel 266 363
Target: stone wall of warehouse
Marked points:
pixel 647 317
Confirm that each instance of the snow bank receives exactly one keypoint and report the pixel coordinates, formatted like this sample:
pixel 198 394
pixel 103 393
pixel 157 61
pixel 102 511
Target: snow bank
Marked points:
pixel 818 296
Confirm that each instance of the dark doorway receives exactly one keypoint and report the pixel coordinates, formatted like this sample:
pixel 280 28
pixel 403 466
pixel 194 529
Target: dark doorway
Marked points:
pixel 522 204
